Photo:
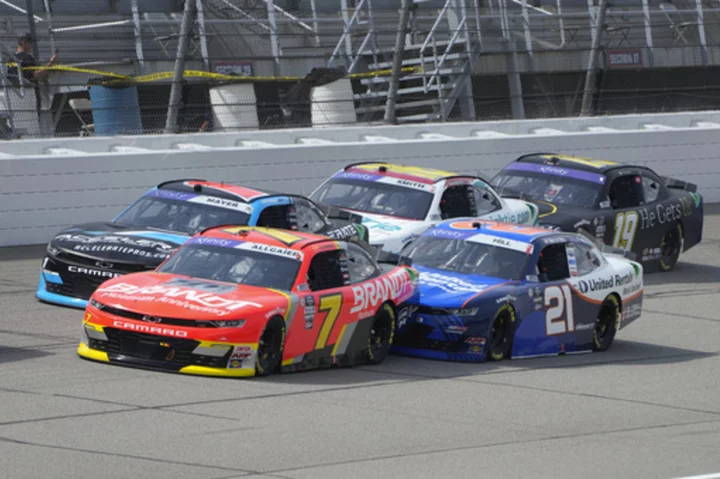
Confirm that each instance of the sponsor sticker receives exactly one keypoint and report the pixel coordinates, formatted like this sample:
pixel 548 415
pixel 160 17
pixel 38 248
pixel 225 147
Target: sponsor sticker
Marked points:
pixel 178 296
pixel 505 243
pixel 395 286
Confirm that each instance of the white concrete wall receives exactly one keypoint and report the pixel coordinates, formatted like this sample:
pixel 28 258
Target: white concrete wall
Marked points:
pixel 46 185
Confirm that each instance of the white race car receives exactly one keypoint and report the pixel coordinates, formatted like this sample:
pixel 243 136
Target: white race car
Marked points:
pixel 398 203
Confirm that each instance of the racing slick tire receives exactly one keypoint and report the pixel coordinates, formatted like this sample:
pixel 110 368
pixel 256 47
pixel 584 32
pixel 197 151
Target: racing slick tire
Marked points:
pixel 270 347
pixel 381 335
pixel 501 334
pixel 606 324
pixel 670 248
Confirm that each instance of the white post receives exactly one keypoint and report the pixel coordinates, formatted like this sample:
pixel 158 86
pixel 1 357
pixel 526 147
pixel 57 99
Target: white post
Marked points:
pixel 701 31
pixel 273 35
pixel 648 33
pixel 315 23
pixel 526 28
pixel 138 34
pixel 202 34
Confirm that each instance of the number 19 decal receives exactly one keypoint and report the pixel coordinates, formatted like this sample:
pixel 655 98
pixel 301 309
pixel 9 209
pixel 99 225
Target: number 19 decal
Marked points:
pixel 560 318
pixel 625 228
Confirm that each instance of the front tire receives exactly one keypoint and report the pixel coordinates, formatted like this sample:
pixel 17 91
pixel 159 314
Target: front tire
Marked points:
pixel 270 347
pixel 607 324
pixel 670 248
pixel 381 335
pixel 502 332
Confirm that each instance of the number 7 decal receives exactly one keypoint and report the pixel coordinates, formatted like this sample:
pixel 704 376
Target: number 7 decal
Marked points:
pixel 332 305
pixel 625 228
pixel 560 318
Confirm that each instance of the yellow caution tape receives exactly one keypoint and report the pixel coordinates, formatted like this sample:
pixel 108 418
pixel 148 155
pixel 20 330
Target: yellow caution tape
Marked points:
pixel 118 78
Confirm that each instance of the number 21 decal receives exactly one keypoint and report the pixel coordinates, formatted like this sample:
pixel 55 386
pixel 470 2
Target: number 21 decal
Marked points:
pixel 560 317
pixel 625 228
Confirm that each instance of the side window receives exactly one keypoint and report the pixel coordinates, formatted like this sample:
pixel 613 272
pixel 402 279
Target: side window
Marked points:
pixel 309 217
pixel 360 264
pixel 553 264
pixel 485 202
pixel 275 217
pixel 326 271
pixel 626 192
pixel 455 202
pixel 653 188
pixel 586 258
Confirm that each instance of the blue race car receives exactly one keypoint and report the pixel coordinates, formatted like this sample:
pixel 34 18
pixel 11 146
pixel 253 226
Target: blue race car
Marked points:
pixel 491 291
pixel 82 257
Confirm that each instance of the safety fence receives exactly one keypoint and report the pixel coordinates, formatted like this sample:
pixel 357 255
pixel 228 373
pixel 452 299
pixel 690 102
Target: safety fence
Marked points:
pixel 249 62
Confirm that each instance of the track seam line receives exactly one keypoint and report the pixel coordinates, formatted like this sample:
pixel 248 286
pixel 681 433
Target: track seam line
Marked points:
pixel 491 445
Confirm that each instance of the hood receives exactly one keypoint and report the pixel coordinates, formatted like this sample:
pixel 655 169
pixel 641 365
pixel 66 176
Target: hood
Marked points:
pixel 182 297
pixel 383 228
pixel 444 289
pixel 117 243
pixel 567 217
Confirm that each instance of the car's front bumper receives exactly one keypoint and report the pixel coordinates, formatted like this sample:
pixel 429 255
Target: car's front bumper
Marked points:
pixel 166 353
pixel 46 286
pixel 439 336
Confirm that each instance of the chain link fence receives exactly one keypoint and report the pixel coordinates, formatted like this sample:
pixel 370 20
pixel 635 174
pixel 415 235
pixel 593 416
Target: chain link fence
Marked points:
pixel 259 64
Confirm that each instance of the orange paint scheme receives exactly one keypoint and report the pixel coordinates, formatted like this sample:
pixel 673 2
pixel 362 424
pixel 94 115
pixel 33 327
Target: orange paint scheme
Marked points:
pixel 312 326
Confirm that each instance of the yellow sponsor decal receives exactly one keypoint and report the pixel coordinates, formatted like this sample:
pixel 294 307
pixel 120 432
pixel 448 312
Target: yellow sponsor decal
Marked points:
pixel 583 161
pixel 426 173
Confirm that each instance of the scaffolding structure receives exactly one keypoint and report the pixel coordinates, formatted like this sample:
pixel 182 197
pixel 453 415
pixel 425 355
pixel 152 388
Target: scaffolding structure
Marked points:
pixel 448 42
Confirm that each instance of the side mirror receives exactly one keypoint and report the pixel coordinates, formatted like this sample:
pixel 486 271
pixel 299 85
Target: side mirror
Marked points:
pixel 532 278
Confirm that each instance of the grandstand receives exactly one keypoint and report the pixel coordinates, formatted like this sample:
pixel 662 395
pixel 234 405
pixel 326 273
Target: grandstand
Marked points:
pixel 479 59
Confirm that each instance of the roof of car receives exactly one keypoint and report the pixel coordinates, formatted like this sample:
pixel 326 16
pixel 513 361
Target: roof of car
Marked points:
pixel 464 228
pixel 412 173
pixel 294 240
pixel 573 162
pixel 221 190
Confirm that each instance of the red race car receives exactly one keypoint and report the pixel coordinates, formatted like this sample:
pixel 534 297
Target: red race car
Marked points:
pixel 246 301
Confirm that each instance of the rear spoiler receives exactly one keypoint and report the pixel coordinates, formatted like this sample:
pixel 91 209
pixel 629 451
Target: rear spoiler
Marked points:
pixel 607 249
pixel 508 193
pixel 679 184
pixel 384 257
pixel 335 213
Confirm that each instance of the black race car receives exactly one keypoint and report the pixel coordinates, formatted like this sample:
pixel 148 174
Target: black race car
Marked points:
pixel 624 206
pixel 82 257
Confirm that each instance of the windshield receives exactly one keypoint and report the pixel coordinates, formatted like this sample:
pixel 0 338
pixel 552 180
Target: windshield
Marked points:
pixel 180 214
pixel 465 257
pixel 375 197
pixel 570 187
pixel 232 265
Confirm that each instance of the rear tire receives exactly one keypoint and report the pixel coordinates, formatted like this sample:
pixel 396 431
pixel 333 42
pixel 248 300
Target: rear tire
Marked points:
pixel 270 348
pixel 501 334
pixel 670 248
pixel 607 324
pixel 381 335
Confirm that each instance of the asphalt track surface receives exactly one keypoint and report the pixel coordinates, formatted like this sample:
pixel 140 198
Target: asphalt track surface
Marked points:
pixel 649 407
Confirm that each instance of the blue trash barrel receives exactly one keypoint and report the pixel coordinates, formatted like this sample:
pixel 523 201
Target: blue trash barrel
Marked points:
pixel 116 110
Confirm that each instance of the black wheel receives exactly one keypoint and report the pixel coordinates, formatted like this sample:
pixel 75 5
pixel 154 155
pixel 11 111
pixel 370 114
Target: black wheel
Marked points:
pixel 270 347
pixel 670 248
pixel 500 338
pixel 382 333
pixel 607 324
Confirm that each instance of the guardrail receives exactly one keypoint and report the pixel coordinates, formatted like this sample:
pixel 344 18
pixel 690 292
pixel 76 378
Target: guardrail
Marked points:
pixel 48 184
